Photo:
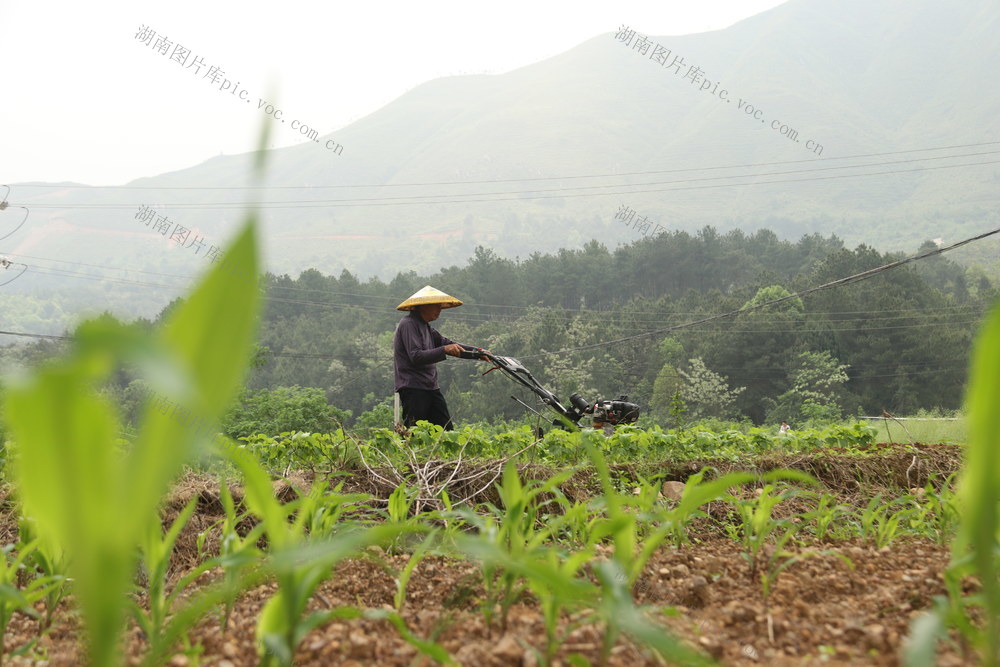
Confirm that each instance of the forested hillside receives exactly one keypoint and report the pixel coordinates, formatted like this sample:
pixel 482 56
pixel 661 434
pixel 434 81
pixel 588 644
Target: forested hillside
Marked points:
pixel 899 341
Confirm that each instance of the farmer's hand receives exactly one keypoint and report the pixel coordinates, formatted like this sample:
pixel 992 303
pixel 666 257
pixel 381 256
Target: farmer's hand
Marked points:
pixel 484 352
pixel 454 349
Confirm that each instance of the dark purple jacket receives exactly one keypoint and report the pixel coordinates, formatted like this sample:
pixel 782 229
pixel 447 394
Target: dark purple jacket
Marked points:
pixel 416 348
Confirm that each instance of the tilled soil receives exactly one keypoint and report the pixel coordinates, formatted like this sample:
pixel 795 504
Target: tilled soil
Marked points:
pixel 821 610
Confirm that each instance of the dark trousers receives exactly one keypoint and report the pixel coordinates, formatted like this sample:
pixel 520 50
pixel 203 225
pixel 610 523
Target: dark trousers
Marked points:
pixel 426 404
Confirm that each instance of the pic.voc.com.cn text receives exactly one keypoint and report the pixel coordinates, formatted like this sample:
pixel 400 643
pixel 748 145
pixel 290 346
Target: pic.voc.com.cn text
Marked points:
pixel 670 60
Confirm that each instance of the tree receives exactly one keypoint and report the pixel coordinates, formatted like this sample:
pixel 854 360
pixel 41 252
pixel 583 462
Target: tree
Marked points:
pixel 668 383
pixel 773 293
pixel 817 381
pixel 706 393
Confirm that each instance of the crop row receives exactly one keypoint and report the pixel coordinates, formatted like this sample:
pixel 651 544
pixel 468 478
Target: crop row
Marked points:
pixel 341 449
pixel 577 558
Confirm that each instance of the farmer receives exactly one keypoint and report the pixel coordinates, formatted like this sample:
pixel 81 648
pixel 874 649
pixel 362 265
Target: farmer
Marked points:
pixel 417 348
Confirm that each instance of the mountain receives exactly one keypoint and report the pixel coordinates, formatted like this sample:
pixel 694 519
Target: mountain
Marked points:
pixel 856 77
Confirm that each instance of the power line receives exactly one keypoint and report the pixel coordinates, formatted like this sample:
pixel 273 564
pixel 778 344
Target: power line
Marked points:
pixel 623 321
pixel 505 180
pixel 34 335
pixel 551 311
pixel 441 199
pixel 857 277
pixel 283 355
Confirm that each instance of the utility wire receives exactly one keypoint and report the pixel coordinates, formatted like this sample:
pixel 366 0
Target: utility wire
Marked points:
pixel 623 321
pixel 502 180
pixel 857 277
pixel 552 311
pixel 362 202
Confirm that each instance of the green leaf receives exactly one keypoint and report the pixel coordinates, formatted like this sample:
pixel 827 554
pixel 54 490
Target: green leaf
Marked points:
pixel 978 490
pixel 88 499
pixel 70 480
pixel 920 648
pixel 428 648
pixel 13 599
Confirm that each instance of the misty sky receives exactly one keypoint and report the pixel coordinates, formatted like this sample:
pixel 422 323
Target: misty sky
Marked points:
pixel 83 100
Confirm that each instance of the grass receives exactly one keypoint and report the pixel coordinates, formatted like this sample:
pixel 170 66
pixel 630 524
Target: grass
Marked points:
pixel 936 430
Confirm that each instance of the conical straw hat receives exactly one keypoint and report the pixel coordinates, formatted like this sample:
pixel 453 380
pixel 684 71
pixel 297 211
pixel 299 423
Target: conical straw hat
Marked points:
pixel 429 295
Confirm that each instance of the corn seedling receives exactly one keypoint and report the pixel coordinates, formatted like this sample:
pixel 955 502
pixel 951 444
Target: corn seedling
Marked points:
pixel 15 599
pixel 298 563
pixel 621 524
pixel 573 525
pixel 777 560
pixel 166 622
pixel 89 499
pixel 936 511
pixel 620 614
pixel 880 523
pixel 564 568
pixel 759 524
pixel 517 531
pixel 400 502
pixel 552 574
pixel 236 552
pixel 403 579
pixel 328 513
pixel 974 550
pixel 825 516
pixel 695 495
pixel 49 561
pixel 157 548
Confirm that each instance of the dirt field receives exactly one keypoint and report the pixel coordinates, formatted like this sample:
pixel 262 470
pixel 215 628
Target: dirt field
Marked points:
pixel 821 610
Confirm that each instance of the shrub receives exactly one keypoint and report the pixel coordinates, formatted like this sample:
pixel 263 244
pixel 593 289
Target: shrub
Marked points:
pixel 282 410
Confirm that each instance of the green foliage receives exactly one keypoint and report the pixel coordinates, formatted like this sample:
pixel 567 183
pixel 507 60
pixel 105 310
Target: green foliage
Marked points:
pixel 666 396
pixel 48 561
pixel 17 599
pixel 379 416
pixel 626 444
pixel 936 510
pixel 881 523
pixel 236 552
pixel 327 452
pixel 974 550
pixel 706 393
pixel 829 517
pixel 403 578
pixel 677 409
pixel 282 410
pixel 773 293
pixel 673 279
pixel 817 381
pixel 758 524
pixel 299 561
pixel 157 547
pixel 92 502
